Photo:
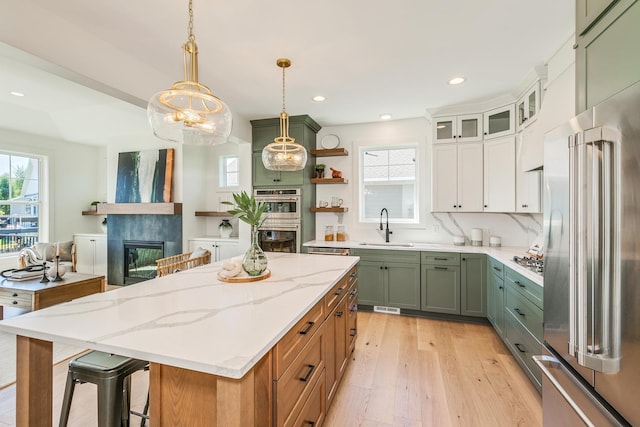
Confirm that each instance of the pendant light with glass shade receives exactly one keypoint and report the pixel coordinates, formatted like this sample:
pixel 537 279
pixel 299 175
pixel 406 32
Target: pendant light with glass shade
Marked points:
pixel 188 112
pixel 283 154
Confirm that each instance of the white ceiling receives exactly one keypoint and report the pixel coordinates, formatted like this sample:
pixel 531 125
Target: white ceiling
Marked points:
pixel 367 57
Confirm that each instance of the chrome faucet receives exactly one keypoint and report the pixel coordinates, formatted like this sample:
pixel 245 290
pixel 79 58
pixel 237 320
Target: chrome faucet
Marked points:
pixel 387 231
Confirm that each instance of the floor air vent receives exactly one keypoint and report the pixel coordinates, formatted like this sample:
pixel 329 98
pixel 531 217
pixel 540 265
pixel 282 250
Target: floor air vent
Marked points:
pixel 383 309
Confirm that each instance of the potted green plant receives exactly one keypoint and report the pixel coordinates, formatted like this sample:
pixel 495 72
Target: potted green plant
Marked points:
pixel 320 170
pixel 94 205
pixel 248 210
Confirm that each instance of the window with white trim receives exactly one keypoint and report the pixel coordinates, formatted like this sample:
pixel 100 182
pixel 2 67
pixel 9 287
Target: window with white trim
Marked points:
pixel 388 180
pixel 229 171
pixel 19 201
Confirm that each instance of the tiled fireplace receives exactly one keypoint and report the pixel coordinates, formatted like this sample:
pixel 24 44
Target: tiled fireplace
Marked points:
pixel 145 236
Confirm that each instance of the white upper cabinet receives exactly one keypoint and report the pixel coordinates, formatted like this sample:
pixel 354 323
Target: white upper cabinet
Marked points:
pixel 457 178
pixel 528 106
pixel 500 175
pixel 499 122
pixel 528 184
pixel 466 128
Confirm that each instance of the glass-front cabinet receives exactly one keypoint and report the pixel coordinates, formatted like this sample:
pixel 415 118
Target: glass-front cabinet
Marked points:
pixel 499 122
pixel 465 128
pixel 528 106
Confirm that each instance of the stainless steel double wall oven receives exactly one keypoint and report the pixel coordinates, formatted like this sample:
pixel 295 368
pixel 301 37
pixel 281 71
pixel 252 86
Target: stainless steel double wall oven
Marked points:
pixel 281 230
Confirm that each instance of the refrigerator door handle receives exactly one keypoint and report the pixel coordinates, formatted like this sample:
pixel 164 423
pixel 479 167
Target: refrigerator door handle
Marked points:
pixel 594 277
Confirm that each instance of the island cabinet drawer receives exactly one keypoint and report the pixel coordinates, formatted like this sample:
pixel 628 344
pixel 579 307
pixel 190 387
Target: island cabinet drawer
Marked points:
pixel 525 311
pixel 335 295
pixel 525 286
pixel 440 258
pixel 296 383
pixel 314 410
pixel 289 347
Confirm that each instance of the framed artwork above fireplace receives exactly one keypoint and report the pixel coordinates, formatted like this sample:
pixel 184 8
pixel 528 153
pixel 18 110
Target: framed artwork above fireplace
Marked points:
pixel 145 176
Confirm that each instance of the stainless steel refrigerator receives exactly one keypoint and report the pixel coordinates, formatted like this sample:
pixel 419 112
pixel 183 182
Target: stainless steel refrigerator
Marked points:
pixel 591 355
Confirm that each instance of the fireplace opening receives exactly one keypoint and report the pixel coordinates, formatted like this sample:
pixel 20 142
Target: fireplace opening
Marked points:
pixel 140 260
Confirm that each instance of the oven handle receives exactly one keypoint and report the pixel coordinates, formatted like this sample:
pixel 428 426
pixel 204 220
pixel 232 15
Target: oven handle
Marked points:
pixel 274 227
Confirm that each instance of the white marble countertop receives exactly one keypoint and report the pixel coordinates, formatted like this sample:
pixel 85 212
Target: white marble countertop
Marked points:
pixel 502 254
pixel 191 319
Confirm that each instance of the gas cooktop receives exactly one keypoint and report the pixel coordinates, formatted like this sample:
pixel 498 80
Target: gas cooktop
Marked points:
pixel 534 264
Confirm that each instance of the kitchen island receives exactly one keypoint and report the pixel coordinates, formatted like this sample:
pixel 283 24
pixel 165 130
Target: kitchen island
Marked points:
pixel 216 350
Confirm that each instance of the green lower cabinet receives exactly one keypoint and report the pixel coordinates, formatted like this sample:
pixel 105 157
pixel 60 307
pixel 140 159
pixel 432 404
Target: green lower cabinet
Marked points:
pixel 473 285
pixel 389 278
pixel 402 285
pixel 370 283
pixel 495 302
pixel 440 289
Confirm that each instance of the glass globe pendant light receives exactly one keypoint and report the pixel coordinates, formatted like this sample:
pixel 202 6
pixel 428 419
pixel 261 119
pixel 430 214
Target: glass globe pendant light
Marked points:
pixel 188 112
pixel 283 154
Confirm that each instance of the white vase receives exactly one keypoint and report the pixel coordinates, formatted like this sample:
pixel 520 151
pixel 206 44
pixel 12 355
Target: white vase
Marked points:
pixel 225 228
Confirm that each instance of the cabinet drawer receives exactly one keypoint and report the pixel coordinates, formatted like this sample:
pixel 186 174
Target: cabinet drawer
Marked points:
pixel 314 410
pixel 523 345
pixel 16 299
pixel 440 258
pixel 335 295
pixel 288 348
pixel 295 385
pixel 389 255
pixel 525 286
pixel 525 311
pixel 496 267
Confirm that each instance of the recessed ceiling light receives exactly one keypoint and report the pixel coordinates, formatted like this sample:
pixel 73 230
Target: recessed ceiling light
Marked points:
pixel 456 80
pixel 386 116
pixel 319 98
pixel 16 93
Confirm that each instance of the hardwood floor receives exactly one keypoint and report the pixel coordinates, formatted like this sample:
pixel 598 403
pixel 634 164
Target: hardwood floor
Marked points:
pixel 416 372
pixel 406 371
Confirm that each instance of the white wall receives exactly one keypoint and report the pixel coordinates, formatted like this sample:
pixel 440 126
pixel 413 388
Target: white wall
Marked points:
pixel 74 182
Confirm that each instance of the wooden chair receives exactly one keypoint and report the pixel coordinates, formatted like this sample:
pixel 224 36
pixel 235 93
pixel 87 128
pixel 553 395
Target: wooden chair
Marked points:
pixel 180 262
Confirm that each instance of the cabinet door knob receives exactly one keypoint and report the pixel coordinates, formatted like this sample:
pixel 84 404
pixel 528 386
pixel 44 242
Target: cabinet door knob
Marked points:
pixel 485 133
pixel 486 206
pixel 464 259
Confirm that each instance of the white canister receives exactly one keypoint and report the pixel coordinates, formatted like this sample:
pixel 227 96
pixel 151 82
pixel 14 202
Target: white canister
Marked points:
pixel 458 240
pixel 476 236
pixel 495 241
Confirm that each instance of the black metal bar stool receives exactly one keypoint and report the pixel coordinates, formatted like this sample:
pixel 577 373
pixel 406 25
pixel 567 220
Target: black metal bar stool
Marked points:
pixel 112 374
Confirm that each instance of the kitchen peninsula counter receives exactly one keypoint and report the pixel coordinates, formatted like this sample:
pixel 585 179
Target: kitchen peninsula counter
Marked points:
pixel 191 323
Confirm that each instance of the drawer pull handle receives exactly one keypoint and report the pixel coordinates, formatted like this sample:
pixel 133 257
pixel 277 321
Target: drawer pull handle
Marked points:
pixel 354 331
pixel 517 282
pixel 14 295
pixel 353 275
pixel 519 349
pixel 496 269
pixel 354 292
pixel 437 267
pixel 14 302
pixel 339 313
pixel 309 372
pixel 339 291
pixel 517 310
pixel 311 423
pixel 440 259
pixel 309 327
pixel 354 308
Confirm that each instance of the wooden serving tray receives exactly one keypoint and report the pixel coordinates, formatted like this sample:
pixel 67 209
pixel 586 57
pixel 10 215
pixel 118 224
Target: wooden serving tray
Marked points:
pixel 244 277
